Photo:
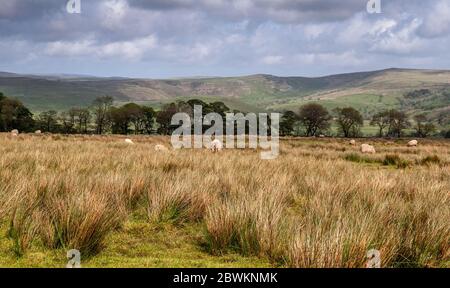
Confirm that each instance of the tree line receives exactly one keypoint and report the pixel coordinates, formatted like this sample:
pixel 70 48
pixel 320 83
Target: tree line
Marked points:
pixel 100 117
pixel 103 117
pixel 314 119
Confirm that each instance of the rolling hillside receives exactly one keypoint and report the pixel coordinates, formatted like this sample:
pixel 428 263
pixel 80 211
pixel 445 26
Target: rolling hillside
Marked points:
pixel 367 91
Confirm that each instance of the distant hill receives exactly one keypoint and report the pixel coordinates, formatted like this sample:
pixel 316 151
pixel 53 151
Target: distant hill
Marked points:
pixel 367 91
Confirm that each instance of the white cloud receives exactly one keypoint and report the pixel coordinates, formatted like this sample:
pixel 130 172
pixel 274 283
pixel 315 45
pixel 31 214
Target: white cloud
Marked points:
pixel 273 60
pixel 129 49
pixel 75 48
pixel 382 26
pixel 401 41
pixel 135 49
pixel 313 31
pixel 343 59
pixel 113 12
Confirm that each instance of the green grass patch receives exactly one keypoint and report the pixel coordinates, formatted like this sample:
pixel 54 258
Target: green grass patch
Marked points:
pixel 395 160
pixel 357 158
pixel 138 244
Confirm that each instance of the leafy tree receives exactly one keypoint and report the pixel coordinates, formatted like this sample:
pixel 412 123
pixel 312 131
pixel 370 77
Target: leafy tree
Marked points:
pixel 350 121
pixel 398 121
pixel 381 119
pixel 164 118
pixel 214 107
pixel 120 120
pixel 423 127
pixel 206 108
pixel 48 121
pixel 446 134
pixel 67 119
pixel 148 119
pixel 14 115
pixel 287 123
pixel 135 116
pixel 101 107
pixel 315 118
pixel 81 118
pixel 84 117
pixel 219 108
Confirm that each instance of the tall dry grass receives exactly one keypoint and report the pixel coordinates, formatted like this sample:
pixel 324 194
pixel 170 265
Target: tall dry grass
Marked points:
pixel 320 204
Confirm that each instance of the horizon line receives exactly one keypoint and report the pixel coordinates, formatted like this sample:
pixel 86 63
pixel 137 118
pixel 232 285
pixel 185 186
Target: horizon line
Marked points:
pixel 70 76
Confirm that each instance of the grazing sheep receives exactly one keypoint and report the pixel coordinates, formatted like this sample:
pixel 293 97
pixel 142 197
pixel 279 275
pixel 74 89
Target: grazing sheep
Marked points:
pixel 352 142
pixel 322 136
pixel 160 147
pixel 216 146
pixel 368 149
pixel 412 143
pixel 15 132
pixel 129 141
pixel 38 132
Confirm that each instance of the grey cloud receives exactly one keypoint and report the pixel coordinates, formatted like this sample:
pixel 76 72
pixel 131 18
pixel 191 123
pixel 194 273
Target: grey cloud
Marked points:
pixel 229 36
pixel 23 10
pixel 284 11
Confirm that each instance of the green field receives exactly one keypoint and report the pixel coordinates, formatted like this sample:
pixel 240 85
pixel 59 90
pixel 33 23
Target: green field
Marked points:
pixel 367 104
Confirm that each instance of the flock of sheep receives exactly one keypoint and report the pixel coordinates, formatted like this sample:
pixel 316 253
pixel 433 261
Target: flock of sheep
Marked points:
pixel 369 149
pixel 217 146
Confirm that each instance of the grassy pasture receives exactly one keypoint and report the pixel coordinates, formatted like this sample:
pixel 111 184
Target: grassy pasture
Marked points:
pixel 321 203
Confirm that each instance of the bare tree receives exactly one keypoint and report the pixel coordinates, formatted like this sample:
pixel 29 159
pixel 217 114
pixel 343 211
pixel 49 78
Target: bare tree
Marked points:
pixel 101 108
pixel 423 127
pixel 381 120
pixel 398 121
pixel 48 120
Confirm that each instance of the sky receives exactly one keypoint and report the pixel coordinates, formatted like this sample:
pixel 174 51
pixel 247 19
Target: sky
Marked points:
pixel 191 38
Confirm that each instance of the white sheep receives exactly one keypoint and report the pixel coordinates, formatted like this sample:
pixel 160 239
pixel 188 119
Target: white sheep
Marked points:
pixel 368 149
pixel 38 132
pixel 352 142
pixel 129 141
pixel 160 147
pixel 412 143
pixel 15 132
pixel 216 146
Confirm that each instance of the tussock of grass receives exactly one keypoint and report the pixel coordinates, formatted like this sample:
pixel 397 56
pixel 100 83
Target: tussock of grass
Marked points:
pixel 395 160
pixel 428 160
pixel 248 226
pixel 58 214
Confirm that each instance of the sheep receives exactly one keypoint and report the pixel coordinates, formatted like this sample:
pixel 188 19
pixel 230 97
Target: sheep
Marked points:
pixel 15 132
pixel 129 141
pixel 352 142
pixel 412 143
pixel 38 132
pixel 216 146
pixel 160 147
pixel 368 149
pixel 321 136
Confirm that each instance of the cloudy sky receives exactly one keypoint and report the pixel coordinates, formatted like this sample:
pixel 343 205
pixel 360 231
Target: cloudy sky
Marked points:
pixel 180 38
